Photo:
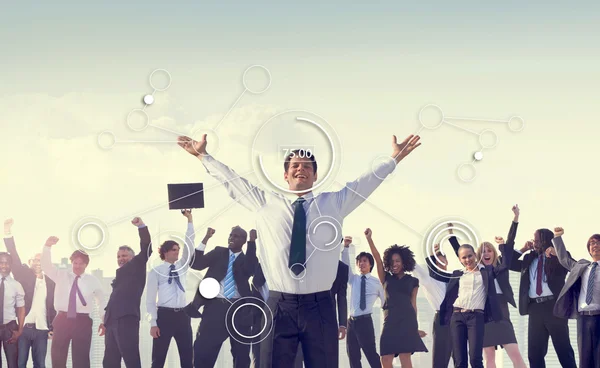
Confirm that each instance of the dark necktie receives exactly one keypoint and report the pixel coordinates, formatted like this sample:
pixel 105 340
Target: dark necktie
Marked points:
pixel 298 246
pixel 539 275
pixel 174 275
pixel 2 301
pixel 363 293
pixel 75 292
pixel 590 286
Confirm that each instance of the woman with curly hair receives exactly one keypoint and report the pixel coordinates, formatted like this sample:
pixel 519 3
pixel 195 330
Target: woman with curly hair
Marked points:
pixel 400 336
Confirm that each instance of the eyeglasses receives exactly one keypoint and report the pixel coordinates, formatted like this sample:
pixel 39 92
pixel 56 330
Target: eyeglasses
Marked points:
pixel 594 242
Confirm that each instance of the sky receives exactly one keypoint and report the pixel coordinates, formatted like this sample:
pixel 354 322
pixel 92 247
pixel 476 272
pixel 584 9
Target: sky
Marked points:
pixel 73 70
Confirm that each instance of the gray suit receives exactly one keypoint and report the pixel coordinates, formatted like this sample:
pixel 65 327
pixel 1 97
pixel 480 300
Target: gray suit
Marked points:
pixel 588 327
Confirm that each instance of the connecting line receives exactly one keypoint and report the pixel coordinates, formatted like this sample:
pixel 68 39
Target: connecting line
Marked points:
pixel 176 199
pixel 459 127
pixel 226 298
pixel 476 119
pixel 167 130
pixel 231 108
pixel 310 255
pixel 116 141
pixel 316 205
pixel 366 200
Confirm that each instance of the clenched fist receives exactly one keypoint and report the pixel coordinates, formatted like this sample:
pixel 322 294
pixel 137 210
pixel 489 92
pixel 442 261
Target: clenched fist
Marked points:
pixel 347 241
pixel 499 239
pixel 210 232
pixel 253 235
pixel 51 241
pixel 558 231
pixel 368 233
pixel 137 221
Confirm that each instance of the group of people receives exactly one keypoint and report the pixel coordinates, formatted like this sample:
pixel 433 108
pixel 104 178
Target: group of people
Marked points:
pixel 304 284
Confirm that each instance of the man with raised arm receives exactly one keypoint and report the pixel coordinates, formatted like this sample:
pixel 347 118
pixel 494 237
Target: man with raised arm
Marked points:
pixel 39 303
pixel 580 297
pixel 73 297
pixel 122 318
pixel 295 269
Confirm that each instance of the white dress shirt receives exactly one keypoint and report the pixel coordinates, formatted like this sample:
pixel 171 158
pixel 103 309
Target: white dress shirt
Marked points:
pixel 37 313
pixel 533 280
pixel 14 297
pixel 274 221
pixel 471 292
pixel 595 305
pixel 90 287
pixel 169 295
pixel 373 288
pixel 434 290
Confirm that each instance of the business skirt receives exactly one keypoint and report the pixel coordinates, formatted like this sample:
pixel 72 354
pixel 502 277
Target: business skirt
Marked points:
pixel 500 332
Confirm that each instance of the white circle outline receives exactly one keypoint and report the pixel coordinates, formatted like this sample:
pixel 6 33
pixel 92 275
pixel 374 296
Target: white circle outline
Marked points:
pixel 315 230
pixel 153 86
pixel 235 328
pixel 114 139
pixel 244 79
pixel 301 275
pixel 495 135
pixel 212 153
pixel 433 127
pixel 391 175
pixel 308 121
pixel 186 265
pixel 522 123
pixel 208 279
pixel 140 129
pixel 232 321
pixel 460 176
pixel 91 223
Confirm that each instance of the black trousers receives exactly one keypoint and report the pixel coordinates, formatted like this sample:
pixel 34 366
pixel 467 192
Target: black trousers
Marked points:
pixel 308 319
pixel 588 341
pixel 543 324
pixel 10 350
pixel 173 324
pixel 214 330
pixel 77 332
pixel 442 344
pixel 467 328
pixel 361 335
pixel 255 346
pixel 122 340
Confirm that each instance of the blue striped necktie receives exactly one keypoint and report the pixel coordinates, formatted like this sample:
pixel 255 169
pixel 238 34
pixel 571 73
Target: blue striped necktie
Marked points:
pixel 590 286
pixel 229 288
pixel 174 275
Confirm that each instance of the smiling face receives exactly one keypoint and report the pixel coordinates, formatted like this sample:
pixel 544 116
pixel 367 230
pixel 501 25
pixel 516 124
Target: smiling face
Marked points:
pixel 5 265
pixel 124 256
pixel 594 247
pixel 364 265
pixel 172 255
pixel 397 267
pixel 467 257
pixel 300 174
pixel 487 254
pixel 237 238
pixel 78 265
pixel 35 264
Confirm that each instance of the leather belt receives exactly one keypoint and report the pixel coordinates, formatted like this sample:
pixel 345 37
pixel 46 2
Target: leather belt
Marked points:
pixel 461 310
pixel 176 310
pixel 29 325
pixel 590 313
pixel 362 316
pixel 542 299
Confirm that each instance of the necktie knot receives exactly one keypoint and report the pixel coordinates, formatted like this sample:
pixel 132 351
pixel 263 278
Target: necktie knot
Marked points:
pixel 172 267
pixel 298 201
pixel 364 277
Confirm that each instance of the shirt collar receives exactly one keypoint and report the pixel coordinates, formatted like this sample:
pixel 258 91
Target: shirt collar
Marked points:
pixel 236 254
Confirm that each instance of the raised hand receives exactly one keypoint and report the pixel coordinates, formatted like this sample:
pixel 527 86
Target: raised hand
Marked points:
pixel 550 252
pixel 450 231
pixel 253 235
pixel 368 233
pixel 516 210
pixel 528 245
pixel 8 223
pixel 137 222
pixel 499 239
pixel 401 150
pixel 558 231
pixel 51 241
pixel 191 146
pixel 210 232
pixel 347 241
pixel 188 215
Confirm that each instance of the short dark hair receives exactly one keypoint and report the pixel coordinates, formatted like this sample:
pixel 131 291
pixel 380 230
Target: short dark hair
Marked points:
pixel 407 256
pixel 295 153
pixel 79 254
pixel 368 256
pixel 467 246
pixel 127 248
pixel 595 237
pixel 165 247
pixel 7 255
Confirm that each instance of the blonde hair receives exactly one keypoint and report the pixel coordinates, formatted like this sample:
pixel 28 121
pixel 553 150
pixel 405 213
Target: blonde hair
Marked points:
pixel 492 248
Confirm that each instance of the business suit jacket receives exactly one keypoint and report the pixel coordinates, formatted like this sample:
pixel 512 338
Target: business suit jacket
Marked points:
pixel 128 285
pixel 566 304
pixel 339 292
pixel 555 279
pixel 216 261
pixel 27 278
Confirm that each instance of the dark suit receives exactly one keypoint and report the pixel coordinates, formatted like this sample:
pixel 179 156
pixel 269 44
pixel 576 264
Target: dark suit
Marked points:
pixel 32 337
pixel 338 293
pixel 257 317
pixel 588 327
pixel 542 323
pixel 212 330
pixel 122 317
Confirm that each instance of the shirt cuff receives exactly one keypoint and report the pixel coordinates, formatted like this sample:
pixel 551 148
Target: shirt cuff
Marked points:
pixel 142 226
pixel 201 247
